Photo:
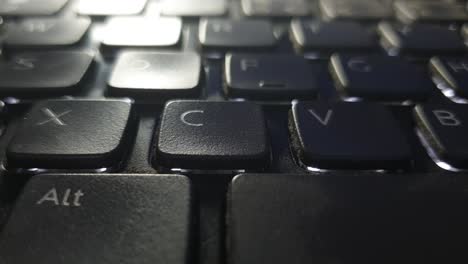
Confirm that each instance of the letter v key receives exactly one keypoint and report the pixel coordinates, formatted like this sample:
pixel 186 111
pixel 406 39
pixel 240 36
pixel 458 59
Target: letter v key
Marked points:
pixel 323 121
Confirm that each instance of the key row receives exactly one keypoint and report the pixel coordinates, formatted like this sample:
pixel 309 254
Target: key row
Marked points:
pixel 202 135
pixel 222 34
pixel 155 76
pixel 406 11
pixel 131 218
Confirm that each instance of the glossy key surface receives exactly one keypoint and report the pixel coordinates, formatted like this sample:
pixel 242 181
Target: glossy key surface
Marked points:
pixel 142 32
pixel 155 74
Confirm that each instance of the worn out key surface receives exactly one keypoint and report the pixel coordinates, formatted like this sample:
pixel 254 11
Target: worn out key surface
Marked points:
pixel 348 219
pixel 105 219
pixel 72 134
pixel 44 73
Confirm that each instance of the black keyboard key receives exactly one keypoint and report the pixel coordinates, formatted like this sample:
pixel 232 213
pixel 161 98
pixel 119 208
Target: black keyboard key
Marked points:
pixel 380 78
pixel 212 135
pixel 276 8
pixel 464 31
pixel 142 32
pixel 347 218
pixel 264 77
pixel 72 134
pixel 356 9
pixel 194 8
pixel 150 75
pixel 30 7
pixel 43 73
pixel 453 71
pixel 420 39
pixel 224 33
pixel 89 218
pixel 46 32
pixel 430 12
pixel 348 135
pixel 331 36
pixel 110 7
pixel 444 128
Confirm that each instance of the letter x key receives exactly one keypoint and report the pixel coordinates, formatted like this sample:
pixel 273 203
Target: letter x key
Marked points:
pixel 53 117
pixel 72 134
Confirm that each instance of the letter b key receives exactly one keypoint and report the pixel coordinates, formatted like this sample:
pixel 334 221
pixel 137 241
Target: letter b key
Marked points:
pixel 442 129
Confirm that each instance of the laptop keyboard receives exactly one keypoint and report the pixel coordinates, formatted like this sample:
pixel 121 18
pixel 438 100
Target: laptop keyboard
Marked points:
pixel 233 131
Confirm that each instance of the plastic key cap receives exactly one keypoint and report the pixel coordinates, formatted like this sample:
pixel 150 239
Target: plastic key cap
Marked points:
pixel 264 77
pixel 155 75
pixel 430 12
pixel 444 128
pixel 142 32
pixel 193 8
pixel 380 78
pixel 37 74
pixel 73 134
pixel 453 71
pixel 31 7
pixel 356 9
pixel 276 8
pixel 348 136
pixel 46 32
pixel 364 218
pixel 420 39
pixel 224 33
pixel 99 218
pixel 110 7
pixel 331 36
pixel 212 135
